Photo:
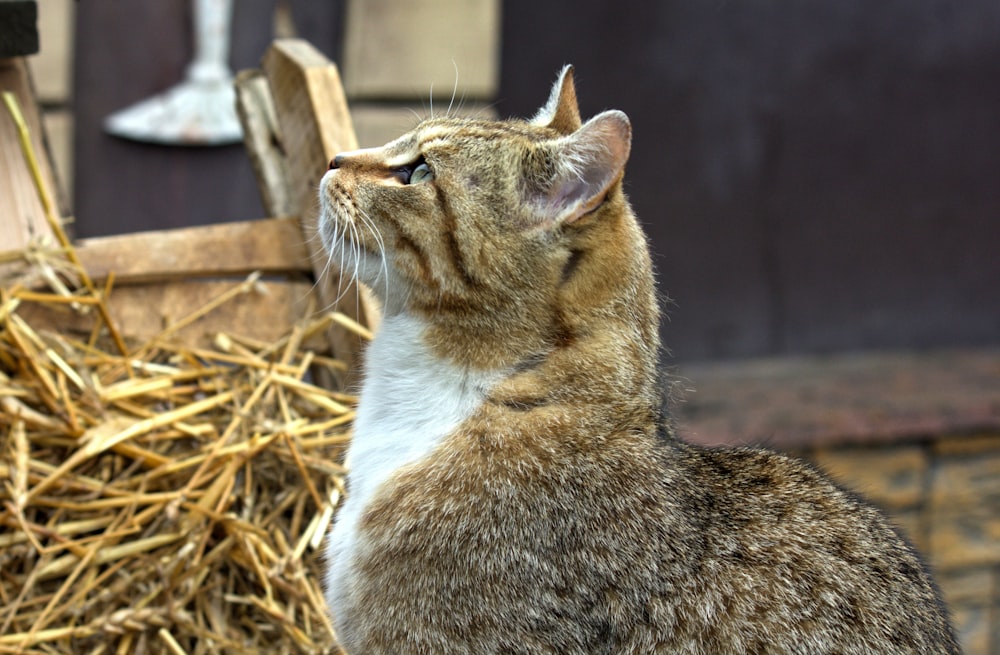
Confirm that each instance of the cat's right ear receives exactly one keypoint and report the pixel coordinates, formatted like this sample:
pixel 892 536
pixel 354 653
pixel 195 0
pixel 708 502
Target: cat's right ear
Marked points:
pixel 561 112
pixel 587 164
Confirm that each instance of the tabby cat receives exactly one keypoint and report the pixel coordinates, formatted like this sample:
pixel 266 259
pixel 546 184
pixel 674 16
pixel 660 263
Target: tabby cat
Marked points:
pixel 514 486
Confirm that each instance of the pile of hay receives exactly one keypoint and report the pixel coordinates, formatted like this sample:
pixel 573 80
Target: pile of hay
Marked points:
pixel 157 498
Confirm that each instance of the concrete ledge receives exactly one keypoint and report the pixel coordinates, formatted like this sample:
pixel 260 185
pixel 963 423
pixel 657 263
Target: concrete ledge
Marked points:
pixel 796 403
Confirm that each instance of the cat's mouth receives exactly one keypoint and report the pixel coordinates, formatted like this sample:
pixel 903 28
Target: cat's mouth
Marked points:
pixel 343 227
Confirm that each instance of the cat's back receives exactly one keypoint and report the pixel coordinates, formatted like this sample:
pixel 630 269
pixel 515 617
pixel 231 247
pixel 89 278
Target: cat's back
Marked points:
pixel 792 563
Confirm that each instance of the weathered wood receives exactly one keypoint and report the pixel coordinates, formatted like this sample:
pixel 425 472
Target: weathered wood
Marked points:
pixel 861 398
pixel 312 112
pixel 142 311
pixel 22 215
pixel 18 28
pixel 272 246
pixel 262 138
pixel 315 125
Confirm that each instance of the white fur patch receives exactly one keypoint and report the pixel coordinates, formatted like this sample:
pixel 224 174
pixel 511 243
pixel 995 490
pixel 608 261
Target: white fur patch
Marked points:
pixel 410 400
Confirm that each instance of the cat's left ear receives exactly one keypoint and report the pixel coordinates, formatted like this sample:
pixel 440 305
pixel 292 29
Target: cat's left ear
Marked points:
pixel 588 163
pixel 561 112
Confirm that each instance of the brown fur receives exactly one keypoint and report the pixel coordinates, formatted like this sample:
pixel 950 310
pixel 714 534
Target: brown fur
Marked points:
pixel 562 516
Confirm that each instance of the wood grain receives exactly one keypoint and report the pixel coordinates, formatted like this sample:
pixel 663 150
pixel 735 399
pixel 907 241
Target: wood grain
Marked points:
pixel 142 311
pixel 22 216
pixel 262 139
pixel 315 125
pixel 272 246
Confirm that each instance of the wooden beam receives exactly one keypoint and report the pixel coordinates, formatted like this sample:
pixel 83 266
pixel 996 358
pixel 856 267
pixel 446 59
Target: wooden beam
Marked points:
pixel 272 246
pixel 312 112
pixel 142 311
pixel 315 124
pixel 262 139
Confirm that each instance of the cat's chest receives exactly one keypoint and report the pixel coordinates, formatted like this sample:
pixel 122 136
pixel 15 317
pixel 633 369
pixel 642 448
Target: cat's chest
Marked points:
pixel 410 401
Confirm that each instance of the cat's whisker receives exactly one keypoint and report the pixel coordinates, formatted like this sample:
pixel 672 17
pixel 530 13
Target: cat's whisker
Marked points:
pixel 377 235
pixel 324 274
pixel 341 287
pixel 416 114
pixel 336 246
pixel 454 89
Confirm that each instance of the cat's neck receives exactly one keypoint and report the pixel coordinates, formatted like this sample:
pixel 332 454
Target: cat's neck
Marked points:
pixel 591 348
pixel 410 400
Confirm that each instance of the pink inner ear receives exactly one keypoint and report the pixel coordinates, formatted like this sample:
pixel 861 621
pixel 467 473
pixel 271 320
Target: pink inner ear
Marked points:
pixel 593 159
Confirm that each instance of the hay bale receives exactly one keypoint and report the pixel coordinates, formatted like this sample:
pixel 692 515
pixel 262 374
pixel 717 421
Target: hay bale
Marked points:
pixel 159 498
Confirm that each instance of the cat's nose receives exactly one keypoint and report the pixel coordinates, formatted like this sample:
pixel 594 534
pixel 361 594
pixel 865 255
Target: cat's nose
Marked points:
pixel 336 162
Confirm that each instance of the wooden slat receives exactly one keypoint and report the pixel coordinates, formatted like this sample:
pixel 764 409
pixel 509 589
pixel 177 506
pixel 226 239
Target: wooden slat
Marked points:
pixel 262 139
pixel 315 125
pixel 22 216
pixel 271 246
pixel 142 311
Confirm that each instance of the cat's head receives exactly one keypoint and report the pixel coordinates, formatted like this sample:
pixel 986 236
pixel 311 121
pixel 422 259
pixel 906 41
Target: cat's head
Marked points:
pixel 486 225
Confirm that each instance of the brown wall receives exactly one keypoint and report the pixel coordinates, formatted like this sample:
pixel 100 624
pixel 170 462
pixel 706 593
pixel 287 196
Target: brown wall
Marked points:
pixel 817 176
pixel 128 51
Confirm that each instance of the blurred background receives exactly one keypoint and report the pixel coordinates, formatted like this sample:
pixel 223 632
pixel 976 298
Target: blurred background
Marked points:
pixel 816 177
pixel 820 180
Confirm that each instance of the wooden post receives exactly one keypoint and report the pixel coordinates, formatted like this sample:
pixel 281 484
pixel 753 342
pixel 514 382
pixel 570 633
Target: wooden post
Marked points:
pixel 313 125
pixel 262 139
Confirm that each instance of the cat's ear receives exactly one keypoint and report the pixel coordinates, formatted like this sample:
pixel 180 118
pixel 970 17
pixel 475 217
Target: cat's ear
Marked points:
pixel 587 163
pixel 560 112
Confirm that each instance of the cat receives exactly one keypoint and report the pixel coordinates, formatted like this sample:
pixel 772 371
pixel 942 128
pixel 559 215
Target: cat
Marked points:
pixel 515 485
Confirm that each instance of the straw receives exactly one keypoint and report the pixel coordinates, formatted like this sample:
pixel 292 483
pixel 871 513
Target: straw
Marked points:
pixel 160 498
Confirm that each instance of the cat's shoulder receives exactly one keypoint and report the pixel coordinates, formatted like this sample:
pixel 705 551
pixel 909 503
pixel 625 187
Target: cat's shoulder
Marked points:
pixel 746 478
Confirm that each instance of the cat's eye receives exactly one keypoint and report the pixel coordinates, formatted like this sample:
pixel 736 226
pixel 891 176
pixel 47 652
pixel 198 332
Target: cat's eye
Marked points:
pixel 416 173
pixel 421 173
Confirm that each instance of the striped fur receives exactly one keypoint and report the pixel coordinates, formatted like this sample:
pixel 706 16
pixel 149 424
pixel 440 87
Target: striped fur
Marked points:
pixel 514 486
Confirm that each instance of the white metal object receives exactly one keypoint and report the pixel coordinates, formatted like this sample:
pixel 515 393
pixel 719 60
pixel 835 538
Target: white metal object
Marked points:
pixel 201 110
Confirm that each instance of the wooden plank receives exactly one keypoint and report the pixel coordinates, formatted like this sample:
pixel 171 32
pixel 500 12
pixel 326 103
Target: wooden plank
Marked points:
pixel 403 50
pixel 262 139
pixel 272 246
pixel 859 398
pixel 142 311
pixel 22 215
pixel 18 28
pixel 315 125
